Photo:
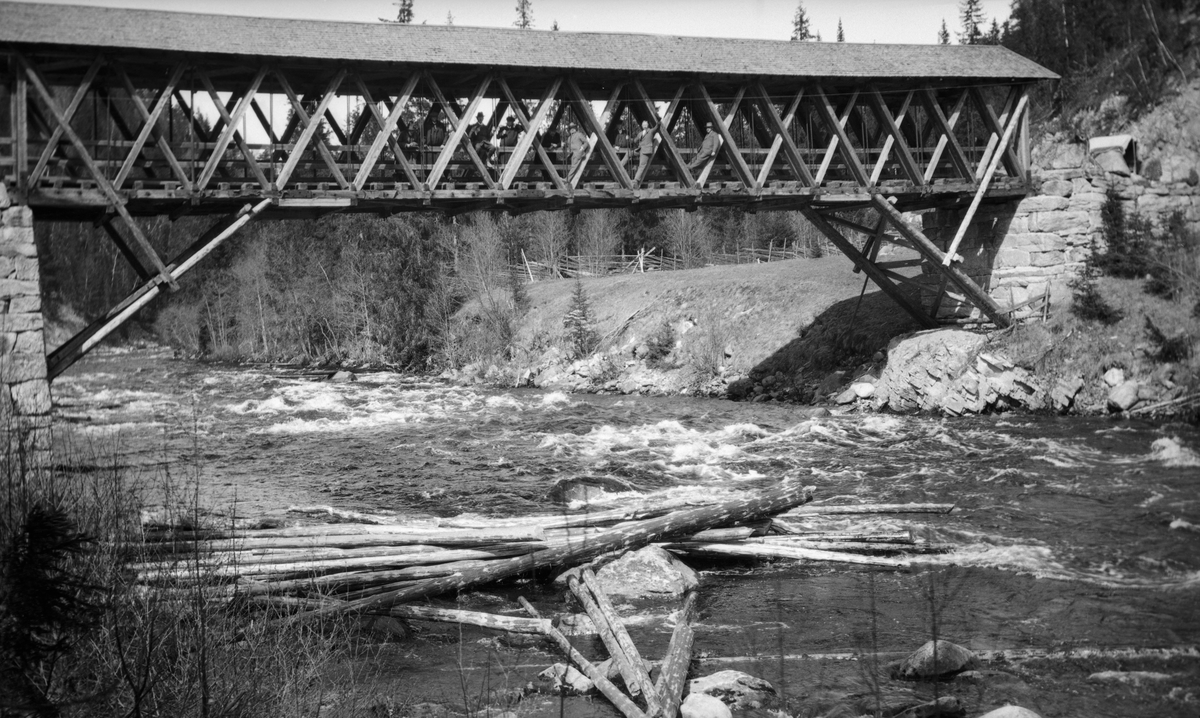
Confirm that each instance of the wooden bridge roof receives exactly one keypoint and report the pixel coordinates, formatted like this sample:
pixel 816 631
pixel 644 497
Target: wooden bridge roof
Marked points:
pixel 445 45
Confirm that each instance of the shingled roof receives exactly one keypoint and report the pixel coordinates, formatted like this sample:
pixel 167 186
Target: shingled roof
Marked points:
pixel 453 45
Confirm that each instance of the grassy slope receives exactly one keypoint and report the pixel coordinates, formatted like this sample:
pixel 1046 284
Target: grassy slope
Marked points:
pixel 776 317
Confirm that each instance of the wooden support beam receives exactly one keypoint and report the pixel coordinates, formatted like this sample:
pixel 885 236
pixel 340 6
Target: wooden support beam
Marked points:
pixel 77 346
pixel 125 250
pixel 996 127
pixel 728 146
pixel 664 125
pixel 532 137
pixel 386 127
pixel 583 109
pixel 459 130
pixel 309 133
pixel 150 126
pixel 895 138
pixel 19 105
pixel 877 275
pixel 67 115
pixel 947 141
pixel 840 141
pixel 926 247
pixel 1005 142
pixel 783 138
pixel 230 133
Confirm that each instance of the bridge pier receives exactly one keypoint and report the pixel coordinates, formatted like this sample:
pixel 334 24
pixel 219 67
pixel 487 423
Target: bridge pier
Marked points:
pixel 24 387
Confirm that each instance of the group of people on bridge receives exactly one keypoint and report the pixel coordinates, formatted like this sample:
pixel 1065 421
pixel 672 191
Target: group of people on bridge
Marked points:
pixel 490 144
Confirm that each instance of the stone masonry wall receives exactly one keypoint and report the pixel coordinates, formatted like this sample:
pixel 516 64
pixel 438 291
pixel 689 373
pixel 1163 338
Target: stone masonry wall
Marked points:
pixel 1024 250
pixel 24 389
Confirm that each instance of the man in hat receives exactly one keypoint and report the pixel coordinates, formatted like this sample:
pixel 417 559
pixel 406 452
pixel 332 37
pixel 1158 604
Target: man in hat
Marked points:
pixel 510 133
pixel 480 135
pixel 578 145
pixel 708 147
pixel 645 145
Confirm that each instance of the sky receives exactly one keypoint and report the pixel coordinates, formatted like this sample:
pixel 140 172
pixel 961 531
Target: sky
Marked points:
pixel 869 21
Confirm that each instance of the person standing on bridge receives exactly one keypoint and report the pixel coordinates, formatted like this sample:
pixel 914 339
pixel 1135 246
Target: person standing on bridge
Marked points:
pixel 480 135
pixel 645 143
pixel 708 147
pixel 578 145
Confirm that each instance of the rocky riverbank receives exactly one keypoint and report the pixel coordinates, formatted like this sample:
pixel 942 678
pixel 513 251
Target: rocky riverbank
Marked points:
pixel 799 331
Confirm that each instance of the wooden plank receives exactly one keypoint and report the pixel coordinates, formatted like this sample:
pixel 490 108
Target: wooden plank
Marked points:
pixel 877 275
pixel 459 130
pixel 68 114
pixel 783 139
pixel 126 252
pixel 996 127
pixel 150 127
pixel 926 247
pixel 947 141
pixel 532 136
pixel 230 133
pixel 309 133
pixel 19 104
pixel 583 109
pixel 386 127
pixel 1005 143
pixel 895 139
pixel 732 153
pixel 841 140
pixel 665 124
pixel 684 522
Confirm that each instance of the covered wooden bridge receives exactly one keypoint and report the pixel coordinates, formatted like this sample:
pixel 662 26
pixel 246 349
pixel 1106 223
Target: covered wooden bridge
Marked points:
pixel 115 114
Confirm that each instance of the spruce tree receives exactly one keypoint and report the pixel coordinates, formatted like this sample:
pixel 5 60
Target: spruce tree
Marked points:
pixel 841 36
pixel 524 14
pixel 943 34
pixel 970 12
pixel 801 26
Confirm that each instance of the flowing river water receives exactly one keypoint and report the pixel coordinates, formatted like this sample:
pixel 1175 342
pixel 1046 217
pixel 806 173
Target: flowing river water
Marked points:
pixel 1071 534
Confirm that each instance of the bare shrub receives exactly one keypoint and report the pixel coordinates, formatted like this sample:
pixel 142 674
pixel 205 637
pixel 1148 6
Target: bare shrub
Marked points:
pixel 688 235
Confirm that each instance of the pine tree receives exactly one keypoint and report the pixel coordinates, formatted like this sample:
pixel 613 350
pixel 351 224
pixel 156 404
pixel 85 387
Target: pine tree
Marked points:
pixel 970 12
pixel 449 18
pixel 404 13
pixel 943 34
pixel 554 26
pixel 994 33
pixel 801 27
pixel 524 14
pixel 841 36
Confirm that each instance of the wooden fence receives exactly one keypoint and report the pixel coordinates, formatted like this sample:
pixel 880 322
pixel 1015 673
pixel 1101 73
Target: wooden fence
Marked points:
pixel 650 260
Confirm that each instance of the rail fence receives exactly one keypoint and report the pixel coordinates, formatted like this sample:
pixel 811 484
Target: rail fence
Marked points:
pixel 649 260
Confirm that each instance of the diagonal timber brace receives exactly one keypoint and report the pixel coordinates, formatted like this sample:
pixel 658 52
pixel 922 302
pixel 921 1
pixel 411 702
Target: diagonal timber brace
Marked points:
pixel 77 346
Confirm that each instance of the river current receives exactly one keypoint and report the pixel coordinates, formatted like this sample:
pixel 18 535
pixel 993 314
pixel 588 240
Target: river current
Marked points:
pixel 1069 533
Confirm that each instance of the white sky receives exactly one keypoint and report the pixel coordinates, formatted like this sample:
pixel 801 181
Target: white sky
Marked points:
pixel 878 21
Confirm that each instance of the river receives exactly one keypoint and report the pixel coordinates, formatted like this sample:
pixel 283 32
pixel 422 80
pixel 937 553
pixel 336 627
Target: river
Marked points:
pixel 1070 533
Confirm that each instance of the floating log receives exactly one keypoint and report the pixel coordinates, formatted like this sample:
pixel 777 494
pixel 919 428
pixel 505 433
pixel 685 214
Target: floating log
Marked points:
pixel 788 528
pixel 673 673
pixel 612 632
pixel 605 686
pixel 782 551
pixel 717 535
pixel 510 624
pixel 852 546
pixel 870 509
pixel 342 535
pixel 679 523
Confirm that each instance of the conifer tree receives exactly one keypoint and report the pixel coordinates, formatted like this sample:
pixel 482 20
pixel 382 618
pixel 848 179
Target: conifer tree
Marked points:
pixel 970 12
pixel 841 36
pixel 943 34
pixel 404 13
pixel 801 26
pixel 554 25
pixel 449 18
pixel 524 14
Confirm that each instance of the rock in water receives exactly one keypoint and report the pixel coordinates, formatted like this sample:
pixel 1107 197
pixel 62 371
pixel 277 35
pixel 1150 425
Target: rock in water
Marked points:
pixel 585 488
pixel 1010 712
pixel 343 377
pixel 738 690
pixel 560 675
pixel 698 705
pixel 1124 396
pixel 649 572
pixel 944 707
pixel 921 666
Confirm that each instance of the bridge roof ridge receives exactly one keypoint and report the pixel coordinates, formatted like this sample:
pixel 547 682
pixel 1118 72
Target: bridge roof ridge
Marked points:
pixel 459 45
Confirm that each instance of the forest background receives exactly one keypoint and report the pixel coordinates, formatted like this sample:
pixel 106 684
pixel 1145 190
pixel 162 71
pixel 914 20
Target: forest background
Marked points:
pixel 368 290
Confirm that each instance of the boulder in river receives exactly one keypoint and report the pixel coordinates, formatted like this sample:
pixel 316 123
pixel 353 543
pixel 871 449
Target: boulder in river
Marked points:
pixel 560 674
pixel 343 377
pixel 923 665
pixel 699 705
pixel 584 488
pixel 649 572
pixel 944 707
pixel 738 690
pixel 1010 712
pixel 1124 396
